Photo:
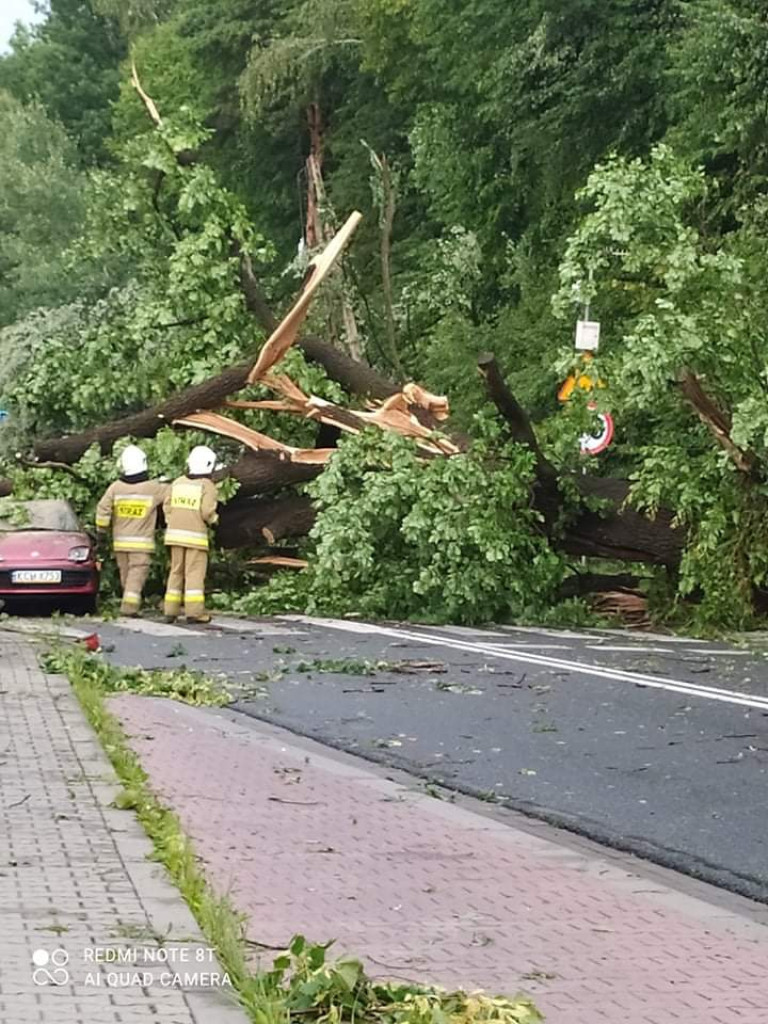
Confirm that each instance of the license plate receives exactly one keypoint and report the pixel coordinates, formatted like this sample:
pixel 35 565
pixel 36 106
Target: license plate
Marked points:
pixel 36 576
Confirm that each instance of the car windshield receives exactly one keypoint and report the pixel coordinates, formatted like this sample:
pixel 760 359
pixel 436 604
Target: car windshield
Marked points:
pixel 54 515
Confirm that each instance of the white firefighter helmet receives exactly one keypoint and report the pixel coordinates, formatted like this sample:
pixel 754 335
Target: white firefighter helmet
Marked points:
pixel 201 461
pixel 133 461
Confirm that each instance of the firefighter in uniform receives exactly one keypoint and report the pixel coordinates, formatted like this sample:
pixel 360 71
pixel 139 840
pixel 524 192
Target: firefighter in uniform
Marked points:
pixel 130 506
pixel 190 508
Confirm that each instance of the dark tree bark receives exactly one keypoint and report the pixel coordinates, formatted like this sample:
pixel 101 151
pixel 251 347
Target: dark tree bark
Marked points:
pixel 255 300
pixel 597 583
pixel 512 412
pixel 716 421
pixel 356 377
pixel 208 395
pixel 6 488
pixel 263 472
pixel 254 522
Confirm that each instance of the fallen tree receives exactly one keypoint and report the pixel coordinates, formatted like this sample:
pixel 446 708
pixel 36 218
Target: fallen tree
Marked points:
pixel 616 532
pixel 270 468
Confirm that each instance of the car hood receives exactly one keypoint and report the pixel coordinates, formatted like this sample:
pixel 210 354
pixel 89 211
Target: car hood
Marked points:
pixel 42 545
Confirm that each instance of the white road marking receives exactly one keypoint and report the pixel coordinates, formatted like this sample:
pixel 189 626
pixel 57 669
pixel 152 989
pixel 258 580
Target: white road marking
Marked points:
pixel 723 654
pixel 599 671
pixel 657 638
pixel 246 626
pixel 516 645
pixel 634 649
pixel 151 628
pixel 560 634
pixel 468 631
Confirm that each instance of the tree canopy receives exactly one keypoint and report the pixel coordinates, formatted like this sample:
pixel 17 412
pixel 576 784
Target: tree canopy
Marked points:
pixel 514 163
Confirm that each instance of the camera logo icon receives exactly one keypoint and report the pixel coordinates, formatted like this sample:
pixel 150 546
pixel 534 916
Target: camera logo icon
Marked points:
pixel 50 968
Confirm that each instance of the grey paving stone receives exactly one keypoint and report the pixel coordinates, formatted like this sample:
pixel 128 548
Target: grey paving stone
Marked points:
pixel 74 876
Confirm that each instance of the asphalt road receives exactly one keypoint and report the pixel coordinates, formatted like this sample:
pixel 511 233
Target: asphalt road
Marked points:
pixel 655 745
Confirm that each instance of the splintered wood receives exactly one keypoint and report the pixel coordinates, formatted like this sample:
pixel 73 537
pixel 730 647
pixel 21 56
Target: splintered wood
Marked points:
pixel 412 412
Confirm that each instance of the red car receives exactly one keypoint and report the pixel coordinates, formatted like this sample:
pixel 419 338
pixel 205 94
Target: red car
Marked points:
pixel 45 556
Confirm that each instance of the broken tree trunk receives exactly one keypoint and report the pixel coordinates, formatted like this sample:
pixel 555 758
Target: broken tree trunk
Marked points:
pixel 716 421
pixel 263 472
pixel 355 377
pixel 207 395
pixel 618 533
pixel 621 533
pixel 252 522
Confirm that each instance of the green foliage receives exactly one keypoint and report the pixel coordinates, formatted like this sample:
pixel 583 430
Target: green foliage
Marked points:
pixel 176 684
pixel 70 63
pixel 678 302
pixel 339 991
pixel 13 512
pixel 41 209
pixel 178 315
pixel 610 152
pixel 442 540
pixel 718 81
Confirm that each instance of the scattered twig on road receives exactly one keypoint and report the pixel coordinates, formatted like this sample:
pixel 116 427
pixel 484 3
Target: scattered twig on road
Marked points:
pixel 298 803
pixel 265 945
pixel 18 803
pixel 517 683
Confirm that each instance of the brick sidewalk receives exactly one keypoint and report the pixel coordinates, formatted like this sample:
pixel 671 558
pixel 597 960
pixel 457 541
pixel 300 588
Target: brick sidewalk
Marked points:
pixel 74 877
pixel 312 842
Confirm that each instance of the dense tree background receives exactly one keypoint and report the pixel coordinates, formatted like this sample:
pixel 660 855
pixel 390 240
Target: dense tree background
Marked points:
pixel 516 158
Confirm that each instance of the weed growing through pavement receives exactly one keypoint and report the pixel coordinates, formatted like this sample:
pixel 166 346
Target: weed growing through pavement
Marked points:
pixel 303 984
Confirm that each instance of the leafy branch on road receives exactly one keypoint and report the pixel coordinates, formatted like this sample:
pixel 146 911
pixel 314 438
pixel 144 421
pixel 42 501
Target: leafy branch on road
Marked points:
pixel 365 667
pixel 303 984
pixel 177 684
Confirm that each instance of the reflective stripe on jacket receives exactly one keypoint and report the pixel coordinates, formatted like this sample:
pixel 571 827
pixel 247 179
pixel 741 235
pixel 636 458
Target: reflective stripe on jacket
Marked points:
pixel 131 510
pixel 189 508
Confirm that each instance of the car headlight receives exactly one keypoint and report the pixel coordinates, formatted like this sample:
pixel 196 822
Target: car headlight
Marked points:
pixel 79 554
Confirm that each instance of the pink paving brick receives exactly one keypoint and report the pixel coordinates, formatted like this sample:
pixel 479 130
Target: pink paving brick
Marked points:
pixel 431 892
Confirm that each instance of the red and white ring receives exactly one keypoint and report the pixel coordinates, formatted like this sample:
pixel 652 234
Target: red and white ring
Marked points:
pixel 593 444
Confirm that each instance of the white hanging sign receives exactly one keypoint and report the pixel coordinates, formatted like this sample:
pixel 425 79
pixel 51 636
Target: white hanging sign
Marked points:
pixel 587 335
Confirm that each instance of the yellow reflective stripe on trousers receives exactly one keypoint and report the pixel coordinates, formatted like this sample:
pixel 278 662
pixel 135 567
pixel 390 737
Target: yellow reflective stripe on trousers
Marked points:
pixel 187 538
pixel 196 597
pixel 129 597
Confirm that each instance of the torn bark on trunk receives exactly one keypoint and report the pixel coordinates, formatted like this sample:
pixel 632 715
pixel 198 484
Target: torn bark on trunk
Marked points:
pixel 313 234
pixel 387 221
pixel 251 522
pixel 717 422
